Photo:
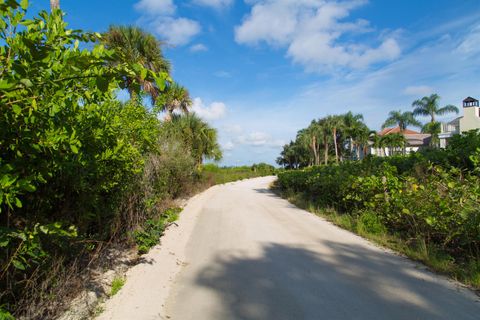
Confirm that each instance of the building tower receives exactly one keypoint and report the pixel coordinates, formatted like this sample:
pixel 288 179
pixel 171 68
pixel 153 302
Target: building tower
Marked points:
pixel 471 115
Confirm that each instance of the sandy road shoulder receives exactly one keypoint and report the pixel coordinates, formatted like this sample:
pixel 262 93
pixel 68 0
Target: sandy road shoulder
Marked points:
pixel 148 284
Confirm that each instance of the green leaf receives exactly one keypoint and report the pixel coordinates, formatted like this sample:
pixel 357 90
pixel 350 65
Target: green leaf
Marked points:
pixel 24 4
pixel 16 109
pixel 26 82
pixel 18 203
pixel 4 84
pixel 74 148
pixel 143 73
pixel 26 186
pixel 18 265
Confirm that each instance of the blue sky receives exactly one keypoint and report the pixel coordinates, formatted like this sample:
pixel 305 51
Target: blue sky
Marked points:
pixel 259 70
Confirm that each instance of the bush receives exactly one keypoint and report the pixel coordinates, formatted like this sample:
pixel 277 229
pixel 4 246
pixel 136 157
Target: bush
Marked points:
pixel 409 196
pixel 78 168
pixel 148 236
pixel 370 223
pixel 212 174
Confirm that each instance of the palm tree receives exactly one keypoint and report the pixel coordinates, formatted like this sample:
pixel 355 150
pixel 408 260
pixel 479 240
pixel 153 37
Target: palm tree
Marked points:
pixel 361 141
pixel 54 4
pixel 335 123
pixel 434 129
pixel 428 106
pixel 325 128
pixel 197 135
pixel 311 137
pixel 134 46
pixel 393 142
pixel 175 97
pixel 354 130
pixel 403 120
pixel 375 141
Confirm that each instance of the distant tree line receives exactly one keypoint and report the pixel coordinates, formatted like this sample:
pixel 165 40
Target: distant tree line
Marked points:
pixel 346 137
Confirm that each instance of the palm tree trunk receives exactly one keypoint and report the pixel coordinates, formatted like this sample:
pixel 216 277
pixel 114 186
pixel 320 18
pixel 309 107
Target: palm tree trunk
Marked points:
pixel 325 143
pixel 335 143
pixel 314 149
pixel 54 4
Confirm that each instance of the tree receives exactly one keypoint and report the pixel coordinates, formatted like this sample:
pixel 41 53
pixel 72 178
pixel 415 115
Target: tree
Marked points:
pixel 403 120
pixel 326 128
pixel 200 139
pixel 356 131
pixel 294 155
pixel 175 97
pixel 375 140
pixel 66 157
pixel 393 142
pixel 311 138
pixel 334 123
pixel 428 106
pixel 434 129
pixel 140 49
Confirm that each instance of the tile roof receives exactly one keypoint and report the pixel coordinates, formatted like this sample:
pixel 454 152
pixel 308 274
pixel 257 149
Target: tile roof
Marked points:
pixel 396 130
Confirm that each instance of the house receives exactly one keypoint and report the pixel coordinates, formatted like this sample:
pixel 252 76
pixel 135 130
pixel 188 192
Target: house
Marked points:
pixel 469 121
pixel 414 141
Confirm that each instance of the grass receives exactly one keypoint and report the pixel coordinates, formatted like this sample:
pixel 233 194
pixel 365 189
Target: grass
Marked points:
pixel 218 175
pixel 117 284
pixel 466 272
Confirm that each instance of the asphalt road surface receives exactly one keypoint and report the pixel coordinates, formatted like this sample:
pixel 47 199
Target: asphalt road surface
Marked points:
pixel 241 252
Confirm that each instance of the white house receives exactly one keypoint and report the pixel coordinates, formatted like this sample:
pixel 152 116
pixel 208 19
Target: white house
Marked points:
pixel 469 121
pixel 414 141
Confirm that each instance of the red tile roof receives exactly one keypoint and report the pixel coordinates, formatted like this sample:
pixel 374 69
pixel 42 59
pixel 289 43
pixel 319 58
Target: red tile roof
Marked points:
pixel 396 130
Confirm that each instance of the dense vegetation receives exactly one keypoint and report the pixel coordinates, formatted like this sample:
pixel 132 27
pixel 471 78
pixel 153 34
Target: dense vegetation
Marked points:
pixel 346 137
pixel 213 174
pixel 426 204
pixel 79 169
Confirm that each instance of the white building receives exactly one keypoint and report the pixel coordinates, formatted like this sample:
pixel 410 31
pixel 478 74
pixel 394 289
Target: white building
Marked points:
pixel 469 121
pixel 414 142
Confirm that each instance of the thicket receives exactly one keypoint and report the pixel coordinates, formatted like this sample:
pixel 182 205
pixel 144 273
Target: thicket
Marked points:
pixel 430 198
pixel 78 168
pixel 213 174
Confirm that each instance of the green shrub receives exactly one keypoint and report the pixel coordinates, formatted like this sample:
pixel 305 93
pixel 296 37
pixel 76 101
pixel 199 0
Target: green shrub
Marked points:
pixel 149 234
pixel 406 195
pixel 369 223
pixel 78 168
pixel 213 174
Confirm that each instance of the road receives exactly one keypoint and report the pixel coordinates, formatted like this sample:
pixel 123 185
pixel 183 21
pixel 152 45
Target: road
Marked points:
pixel 241 252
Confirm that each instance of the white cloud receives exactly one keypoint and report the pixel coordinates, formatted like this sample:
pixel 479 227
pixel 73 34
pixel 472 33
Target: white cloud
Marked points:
pixel 214 111
pixel 259 139
pixel 471 43
pixel 418 91
pixel 217 4
pixel 228 146
pixel 233 128
pixel 156 7
pixel 312 32
pixel 199 47
pixel 159 16
pixel 176 31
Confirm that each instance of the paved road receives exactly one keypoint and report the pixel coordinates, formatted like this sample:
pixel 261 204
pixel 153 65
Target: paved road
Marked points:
pixel 252 255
